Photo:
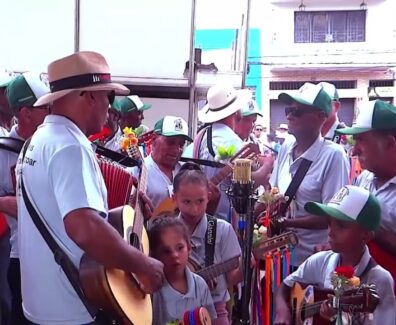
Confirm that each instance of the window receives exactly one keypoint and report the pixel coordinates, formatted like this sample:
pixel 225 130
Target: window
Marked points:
pixel 329 26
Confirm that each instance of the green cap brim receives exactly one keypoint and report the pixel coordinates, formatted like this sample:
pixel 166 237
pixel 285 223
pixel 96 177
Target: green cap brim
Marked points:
pixel 320 209
pixel 252 113
pixel 288 99
pixel 175 134
pixel 353 130
pixel 145 106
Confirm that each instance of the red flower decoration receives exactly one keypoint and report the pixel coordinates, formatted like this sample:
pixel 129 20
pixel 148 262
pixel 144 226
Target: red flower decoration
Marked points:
pixel 101 136
pixel 346 271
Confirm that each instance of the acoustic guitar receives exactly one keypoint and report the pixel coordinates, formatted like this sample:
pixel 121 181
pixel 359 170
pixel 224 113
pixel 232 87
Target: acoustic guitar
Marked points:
pixel 119 292
pixel 249 151
pixel 270 244
pixel 306 301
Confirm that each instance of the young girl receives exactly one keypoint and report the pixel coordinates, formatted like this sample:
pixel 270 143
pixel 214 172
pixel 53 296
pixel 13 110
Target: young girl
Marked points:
pixel 190 187
pixel 183 290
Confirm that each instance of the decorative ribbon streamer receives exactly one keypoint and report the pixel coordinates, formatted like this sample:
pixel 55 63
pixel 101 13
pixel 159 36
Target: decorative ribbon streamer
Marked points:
pixel 267 299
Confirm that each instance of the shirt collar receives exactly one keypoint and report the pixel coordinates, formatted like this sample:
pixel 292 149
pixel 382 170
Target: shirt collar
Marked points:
pixel 313 151
pixel 68 123
pixel 167 289
pixel 330 133
pixel 200 229
pixel 362 265
pixel 373 179
pixel 14 134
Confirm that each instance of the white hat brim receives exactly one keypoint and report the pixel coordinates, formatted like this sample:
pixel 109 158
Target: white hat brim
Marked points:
pixel 206 115
pixel 51 97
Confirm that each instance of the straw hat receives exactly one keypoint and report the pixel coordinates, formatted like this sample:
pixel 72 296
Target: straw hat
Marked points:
pixel 223 101
pixel 83 71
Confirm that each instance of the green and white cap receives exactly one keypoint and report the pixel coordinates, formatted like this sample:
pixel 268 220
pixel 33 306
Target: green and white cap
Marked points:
pixel 170 126
pixel 373 115
pixel 5 78
pixel 251 108
pixel 310 95
pixel 330 90
pixel 132 103
pixel 352 204
pixel 25 89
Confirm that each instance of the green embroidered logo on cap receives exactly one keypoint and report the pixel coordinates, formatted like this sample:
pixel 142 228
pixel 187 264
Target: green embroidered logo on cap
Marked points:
pixel 339 197
pixel 178 124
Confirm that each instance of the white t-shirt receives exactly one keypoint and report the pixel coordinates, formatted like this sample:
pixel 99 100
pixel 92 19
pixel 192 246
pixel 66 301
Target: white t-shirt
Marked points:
pixel 328 173
pixel 3 132
pixel 159 186
pixel 224 136
pixel 61 175
pixel 8 162
pixel 318 268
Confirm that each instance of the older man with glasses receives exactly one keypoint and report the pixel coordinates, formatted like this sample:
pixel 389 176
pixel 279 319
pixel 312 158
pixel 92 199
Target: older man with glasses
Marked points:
pixel 328 171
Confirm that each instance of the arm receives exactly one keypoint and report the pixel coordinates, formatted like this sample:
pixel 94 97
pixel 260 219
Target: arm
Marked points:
pixel 103 243
pixel 386 240
pixel 8 206
pixel 261 175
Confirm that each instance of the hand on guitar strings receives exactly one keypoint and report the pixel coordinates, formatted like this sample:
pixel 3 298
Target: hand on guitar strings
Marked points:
pixel 153 278
pixel 326 309
pixel 282 316
pixel 212 284
pixel 214 199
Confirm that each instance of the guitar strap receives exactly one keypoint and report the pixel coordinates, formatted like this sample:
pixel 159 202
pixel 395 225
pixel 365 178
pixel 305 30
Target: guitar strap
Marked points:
pixel 210 240
pixel 296 181
pixel 198 142
pixel 61 258
pixel 11 144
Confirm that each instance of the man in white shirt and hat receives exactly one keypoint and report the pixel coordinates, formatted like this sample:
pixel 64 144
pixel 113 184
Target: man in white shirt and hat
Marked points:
pixel 60 176
pixel 222 113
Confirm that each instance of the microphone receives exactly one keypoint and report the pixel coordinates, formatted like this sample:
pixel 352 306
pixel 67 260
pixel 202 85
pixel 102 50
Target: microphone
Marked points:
pixel 241 186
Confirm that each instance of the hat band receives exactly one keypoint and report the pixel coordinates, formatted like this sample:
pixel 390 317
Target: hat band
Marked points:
pixel 224 106
pixel 80 81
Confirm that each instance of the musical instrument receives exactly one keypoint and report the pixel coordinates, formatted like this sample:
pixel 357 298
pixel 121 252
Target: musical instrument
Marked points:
pixel 114 290
pixel 268 245
pixel 118 182
pixel 249 151
pixel 306 301
pixel 213 271
pixel 198 316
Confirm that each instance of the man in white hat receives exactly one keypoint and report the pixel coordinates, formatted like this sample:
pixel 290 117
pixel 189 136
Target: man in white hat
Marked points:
pixel 62 180
pixel 247 121
pixel 22 92
pixel 306 112
pixel 222 112
pixel 374 134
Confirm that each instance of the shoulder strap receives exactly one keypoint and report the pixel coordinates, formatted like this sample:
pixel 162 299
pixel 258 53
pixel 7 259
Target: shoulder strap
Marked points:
pixel 296 181
pixel 11 144
pixel 371 264
pixel 60 256
pixel 198 142
pixel 210 240
pixel 210 143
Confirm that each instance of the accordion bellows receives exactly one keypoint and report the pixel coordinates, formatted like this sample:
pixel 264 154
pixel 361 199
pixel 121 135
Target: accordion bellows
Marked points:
pixel 118 182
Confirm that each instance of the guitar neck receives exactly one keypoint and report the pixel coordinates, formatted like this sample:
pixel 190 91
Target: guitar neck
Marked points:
pixel 274 243
pixel 213 271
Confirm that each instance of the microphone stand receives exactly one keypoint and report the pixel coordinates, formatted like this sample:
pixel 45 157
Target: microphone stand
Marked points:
pixel 243 200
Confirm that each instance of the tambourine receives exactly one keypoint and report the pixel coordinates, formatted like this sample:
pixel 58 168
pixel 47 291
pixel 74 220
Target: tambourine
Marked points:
pixel 198 316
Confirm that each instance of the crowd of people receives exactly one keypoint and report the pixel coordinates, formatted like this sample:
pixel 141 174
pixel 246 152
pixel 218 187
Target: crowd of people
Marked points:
pixel 343 210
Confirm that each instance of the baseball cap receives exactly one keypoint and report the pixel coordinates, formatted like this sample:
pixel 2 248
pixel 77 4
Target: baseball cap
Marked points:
pixel 5 79
pixel 310 95
pixel 132 103
pixel 170 126
pixel 373 115
pixel 352 204
pixel 250 108
pixel 330 90
pixel 283 126
pixel 116 105
pixel 25 89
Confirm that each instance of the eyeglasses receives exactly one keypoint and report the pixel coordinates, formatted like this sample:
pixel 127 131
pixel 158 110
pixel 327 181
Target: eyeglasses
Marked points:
pixel 259 129
pixel 298 112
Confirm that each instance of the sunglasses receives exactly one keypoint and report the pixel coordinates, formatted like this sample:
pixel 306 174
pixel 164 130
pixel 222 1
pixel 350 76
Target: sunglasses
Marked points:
pixel 110 96
pixel 298 112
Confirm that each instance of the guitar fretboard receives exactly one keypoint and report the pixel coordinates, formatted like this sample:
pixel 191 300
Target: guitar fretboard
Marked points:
pixel 213 271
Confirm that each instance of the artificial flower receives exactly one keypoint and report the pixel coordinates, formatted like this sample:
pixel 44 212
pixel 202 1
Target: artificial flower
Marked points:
pixel 346 271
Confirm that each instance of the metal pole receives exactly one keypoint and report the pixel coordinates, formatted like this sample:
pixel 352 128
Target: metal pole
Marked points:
pixel 245 66
pixel 77 26
pixel 192 110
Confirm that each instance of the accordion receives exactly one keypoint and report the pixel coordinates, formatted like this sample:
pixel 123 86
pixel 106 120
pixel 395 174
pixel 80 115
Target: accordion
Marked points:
pixel 118 181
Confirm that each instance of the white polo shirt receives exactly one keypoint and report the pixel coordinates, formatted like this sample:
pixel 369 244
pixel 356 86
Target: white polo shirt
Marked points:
pixel 226 247
pixel 318 268
pixel 170 305
pixel 224 136
pixel 3 132
pixel 327 174
pixel 115 142
pixel 386 195
pixel 61 175
pixel 159 186
pixel 8 162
